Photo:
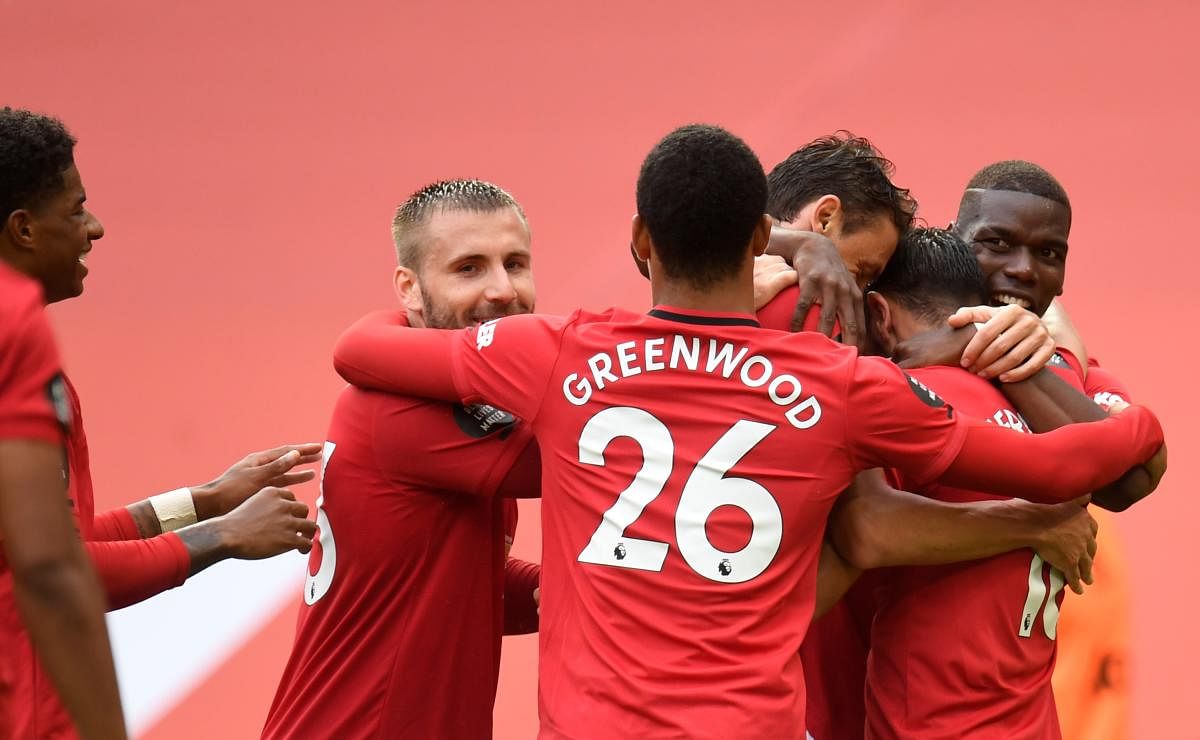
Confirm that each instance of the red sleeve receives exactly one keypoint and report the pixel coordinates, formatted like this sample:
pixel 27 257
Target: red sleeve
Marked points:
pixel 520 610
pixel 509 362
pixel 33 403
pixel 777 314
pixel 524 476
pixel 1036 467
pixel 114 525
pixel 506 362
pixel 1103 387
pixel 1067 366
pixel 895 421
pixel 471 449
pixel 135 570
pixel 379 352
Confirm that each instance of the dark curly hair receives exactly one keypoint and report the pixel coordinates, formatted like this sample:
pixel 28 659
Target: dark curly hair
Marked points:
pixel 932 274
pixel 701 192
pixel 1020 176
pixel 844 165
pixel 35 150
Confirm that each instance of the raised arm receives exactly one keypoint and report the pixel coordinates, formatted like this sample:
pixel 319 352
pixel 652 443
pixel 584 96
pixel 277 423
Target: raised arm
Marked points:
pixel 1036 467
pixel 379 352
pixel 267 524
pixel 176 509
pixel 875 525
pixel 1047 403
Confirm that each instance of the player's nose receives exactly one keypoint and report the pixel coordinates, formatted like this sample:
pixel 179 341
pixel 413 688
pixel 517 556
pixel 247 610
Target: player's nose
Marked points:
pixel 1020 264
pixel 500 288
pixel 95 229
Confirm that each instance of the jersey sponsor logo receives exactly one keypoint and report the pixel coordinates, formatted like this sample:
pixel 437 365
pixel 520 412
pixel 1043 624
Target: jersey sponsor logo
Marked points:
pixel 481 419
pixel 927 396
pixel 485 334
pixel 56 391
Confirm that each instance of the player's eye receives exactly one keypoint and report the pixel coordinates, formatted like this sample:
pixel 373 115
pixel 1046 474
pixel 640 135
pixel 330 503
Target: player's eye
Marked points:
pixel 467 268
pixel 993 243
pixel 515 265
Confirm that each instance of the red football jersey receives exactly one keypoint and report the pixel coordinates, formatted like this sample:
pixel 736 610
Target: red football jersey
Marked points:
pixel 399 632
pixel 38 402
pixel 1104 387
pixel 32 400
pixel 33 405
pixel 965 650
pixel 689 462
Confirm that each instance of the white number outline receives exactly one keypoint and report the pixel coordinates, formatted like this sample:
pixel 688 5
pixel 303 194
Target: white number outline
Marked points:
pixel 1038 595
pixel 707 489
pixel 316 586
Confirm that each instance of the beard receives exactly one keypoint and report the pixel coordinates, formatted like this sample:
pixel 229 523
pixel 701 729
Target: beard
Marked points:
pixel 443 317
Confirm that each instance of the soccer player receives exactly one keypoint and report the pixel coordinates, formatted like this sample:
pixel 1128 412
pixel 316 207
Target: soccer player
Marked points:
pixel 690 460
pixel 1017 217
pixel 46 233
pixel 410 589
pixel 965 649
pixel 55 590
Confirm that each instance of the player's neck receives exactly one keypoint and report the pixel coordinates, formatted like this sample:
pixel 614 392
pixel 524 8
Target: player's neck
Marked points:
pixel 729 296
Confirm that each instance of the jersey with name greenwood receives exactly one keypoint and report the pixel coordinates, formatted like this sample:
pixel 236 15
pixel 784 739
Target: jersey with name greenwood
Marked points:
pixel 689 461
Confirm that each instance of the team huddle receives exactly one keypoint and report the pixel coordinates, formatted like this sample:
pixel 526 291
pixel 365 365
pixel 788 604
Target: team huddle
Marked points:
pixel 834 482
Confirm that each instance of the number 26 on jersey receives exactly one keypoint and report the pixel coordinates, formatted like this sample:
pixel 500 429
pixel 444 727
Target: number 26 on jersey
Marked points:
pixel 707 488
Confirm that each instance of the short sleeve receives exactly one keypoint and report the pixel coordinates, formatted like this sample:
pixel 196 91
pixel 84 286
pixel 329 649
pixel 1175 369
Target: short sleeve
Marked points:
pixel 33 396
pixel 508 362
pixel 1067 367
pixel 896 421
pixel 1103 387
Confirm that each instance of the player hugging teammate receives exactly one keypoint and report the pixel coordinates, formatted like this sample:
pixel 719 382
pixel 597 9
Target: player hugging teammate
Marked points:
pixel 690 537
pixel 685 547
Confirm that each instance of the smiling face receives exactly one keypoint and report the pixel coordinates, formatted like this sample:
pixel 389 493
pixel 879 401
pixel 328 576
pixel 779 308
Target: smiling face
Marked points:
pixel 61 231
pixel 1020 242
pixel 474 267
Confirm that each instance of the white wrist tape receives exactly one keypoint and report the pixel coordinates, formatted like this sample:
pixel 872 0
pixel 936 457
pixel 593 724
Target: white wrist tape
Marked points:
pixel 174 509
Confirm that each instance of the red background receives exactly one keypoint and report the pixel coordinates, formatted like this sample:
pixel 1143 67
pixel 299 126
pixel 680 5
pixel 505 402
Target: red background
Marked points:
pixel 246 157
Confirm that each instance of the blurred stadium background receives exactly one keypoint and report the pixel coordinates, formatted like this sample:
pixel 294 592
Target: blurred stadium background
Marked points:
pixel 245 159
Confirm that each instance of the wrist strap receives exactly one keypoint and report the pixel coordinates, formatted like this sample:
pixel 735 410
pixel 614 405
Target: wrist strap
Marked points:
pixel 174 509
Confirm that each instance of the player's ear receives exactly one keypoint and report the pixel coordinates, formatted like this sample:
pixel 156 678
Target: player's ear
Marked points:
pixel 762 235
pixel 408 289
pixel 641 242
pixel 19 227
pixel 642 266
pixel 879 323
pixel 827 214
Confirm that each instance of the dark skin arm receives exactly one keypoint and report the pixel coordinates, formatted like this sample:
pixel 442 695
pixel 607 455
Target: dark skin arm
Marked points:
pixel 835 576
pixel 823 279
pixel 1047 403
pixel 225 493
pixel 269 523
pixel 56 591
pixel 875 525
